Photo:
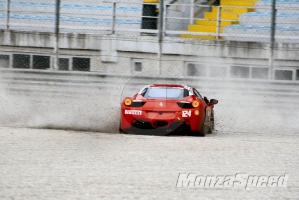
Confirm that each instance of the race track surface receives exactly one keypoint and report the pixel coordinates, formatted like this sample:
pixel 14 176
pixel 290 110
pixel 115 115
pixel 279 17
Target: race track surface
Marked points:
pixel 71 148
pixel 60 164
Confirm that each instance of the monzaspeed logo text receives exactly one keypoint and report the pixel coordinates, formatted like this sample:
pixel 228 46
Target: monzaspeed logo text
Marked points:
pixel 245 181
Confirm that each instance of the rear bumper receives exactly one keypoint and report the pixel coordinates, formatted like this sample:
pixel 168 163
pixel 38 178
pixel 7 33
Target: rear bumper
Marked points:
pixel 157 124
pixel 161 126
pixel 168 124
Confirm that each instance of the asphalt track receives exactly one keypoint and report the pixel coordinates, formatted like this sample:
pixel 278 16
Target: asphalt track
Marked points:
pixel 71 150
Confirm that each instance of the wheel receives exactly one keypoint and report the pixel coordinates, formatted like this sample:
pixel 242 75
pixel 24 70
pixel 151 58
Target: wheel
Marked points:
pixel 212 123
pixel 204 129
pixel 121 131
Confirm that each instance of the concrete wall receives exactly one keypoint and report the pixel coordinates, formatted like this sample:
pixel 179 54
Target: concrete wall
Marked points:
pixel 114 53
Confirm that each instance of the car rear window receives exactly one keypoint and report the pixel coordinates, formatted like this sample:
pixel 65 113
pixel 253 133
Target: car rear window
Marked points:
pixel 166 93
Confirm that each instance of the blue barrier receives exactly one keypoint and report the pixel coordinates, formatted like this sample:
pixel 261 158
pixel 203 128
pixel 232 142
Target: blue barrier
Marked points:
pixel 285 28
pixel 257 14
pixel 282 1
pixel 74 19
pixel 269 14
pixel 72 6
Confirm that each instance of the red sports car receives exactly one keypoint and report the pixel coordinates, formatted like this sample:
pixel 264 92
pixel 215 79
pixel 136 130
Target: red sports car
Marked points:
pixel 167 108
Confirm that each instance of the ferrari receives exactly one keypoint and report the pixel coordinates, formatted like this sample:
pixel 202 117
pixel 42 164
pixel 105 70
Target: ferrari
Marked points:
pixel 166 109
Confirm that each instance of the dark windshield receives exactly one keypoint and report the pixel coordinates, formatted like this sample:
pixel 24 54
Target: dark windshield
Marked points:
pixel 166 93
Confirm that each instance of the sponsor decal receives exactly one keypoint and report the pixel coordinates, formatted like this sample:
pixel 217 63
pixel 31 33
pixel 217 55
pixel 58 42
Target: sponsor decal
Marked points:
pixel 186 113
pixel 133 112
pixel 161 104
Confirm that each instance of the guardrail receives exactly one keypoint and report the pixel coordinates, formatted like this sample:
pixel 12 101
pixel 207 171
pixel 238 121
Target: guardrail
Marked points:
pixel 70 84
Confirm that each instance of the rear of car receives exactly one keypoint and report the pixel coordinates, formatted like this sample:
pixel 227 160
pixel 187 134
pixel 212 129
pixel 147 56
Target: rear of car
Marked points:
pixel 166 108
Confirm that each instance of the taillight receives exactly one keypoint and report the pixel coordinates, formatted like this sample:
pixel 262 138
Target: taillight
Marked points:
pixel 128 101
pixel 195 103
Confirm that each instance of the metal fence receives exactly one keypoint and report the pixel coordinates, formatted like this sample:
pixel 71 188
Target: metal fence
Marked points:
pixel 245 22
pixel 64 84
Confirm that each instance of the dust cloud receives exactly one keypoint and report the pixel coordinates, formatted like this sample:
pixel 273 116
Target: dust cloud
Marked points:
pixel 254 109
pixel 241 108
pixel 82 109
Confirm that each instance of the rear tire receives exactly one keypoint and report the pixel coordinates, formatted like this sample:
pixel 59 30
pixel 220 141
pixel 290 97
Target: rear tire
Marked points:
pixel 204 129
pixel 212 123
pixel 120 130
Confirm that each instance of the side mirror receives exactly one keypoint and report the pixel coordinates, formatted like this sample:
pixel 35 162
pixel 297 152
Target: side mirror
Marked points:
pixel 213 101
